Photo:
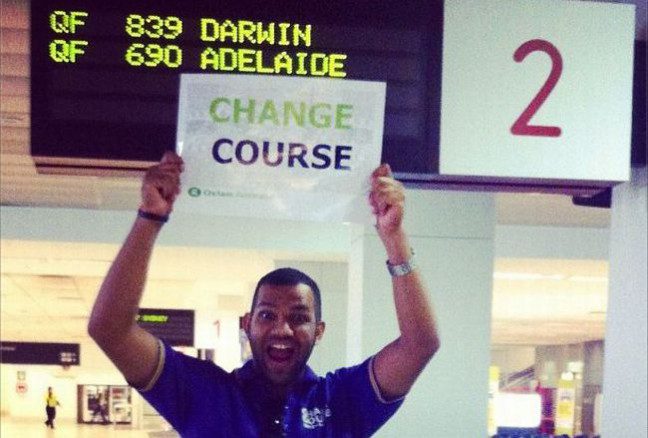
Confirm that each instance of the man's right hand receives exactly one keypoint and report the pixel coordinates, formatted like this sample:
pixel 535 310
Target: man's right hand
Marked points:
pixel 161 185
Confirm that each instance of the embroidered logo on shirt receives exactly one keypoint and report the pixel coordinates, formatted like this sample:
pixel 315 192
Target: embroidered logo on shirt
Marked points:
pixel 314 418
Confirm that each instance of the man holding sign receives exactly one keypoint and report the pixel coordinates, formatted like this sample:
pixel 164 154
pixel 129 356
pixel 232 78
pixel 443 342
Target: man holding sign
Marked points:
pixel 276 393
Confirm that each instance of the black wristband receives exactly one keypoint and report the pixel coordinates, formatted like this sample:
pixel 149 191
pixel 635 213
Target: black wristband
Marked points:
pixel 152 216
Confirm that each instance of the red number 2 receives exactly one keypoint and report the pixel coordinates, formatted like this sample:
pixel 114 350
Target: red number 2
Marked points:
pixel 521 125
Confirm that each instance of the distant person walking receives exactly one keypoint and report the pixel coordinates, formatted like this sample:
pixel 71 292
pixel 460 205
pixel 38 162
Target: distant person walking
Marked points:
pixel 50 407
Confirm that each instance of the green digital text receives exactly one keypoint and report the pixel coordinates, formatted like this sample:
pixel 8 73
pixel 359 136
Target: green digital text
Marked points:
pixel 153 318
pixel 256 61
pixel 67 21
pixel 66 51
pixel 255 32
pixel 153 26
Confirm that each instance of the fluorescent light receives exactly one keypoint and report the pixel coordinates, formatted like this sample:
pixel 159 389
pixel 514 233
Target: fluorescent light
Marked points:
pixel 526 276
pixel 588 279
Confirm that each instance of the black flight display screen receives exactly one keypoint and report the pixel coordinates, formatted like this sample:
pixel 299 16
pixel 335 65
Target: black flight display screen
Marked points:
pixel 105 75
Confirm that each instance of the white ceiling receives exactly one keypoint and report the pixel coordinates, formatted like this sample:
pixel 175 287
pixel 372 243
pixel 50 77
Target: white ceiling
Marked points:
pixel 54 285
pixel 47 291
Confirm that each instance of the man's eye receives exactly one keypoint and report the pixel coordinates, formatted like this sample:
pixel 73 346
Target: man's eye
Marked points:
pixel 266 316
pixel 300 319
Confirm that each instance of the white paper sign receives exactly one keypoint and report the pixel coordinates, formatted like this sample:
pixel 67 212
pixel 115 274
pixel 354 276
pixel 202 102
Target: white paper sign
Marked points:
pixel 279 147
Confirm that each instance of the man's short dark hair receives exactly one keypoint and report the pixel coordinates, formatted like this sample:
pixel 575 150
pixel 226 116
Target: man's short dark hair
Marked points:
pixel 290 277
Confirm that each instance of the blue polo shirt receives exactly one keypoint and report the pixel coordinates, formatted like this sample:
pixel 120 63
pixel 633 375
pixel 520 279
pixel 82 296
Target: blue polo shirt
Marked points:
pixel 200 399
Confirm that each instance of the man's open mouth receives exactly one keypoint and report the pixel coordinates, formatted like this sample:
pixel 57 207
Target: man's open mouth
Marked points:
pixel 280 352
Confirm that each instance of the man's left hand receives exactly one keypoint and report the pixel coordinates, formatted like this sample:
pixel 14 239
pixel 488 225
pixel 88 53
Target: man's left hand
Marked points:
pixel 387 200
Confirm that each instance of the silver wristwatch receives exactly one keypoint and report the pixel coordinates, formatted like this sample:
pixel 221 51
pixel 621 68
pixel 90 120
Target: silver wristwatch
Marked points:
pixel 403 268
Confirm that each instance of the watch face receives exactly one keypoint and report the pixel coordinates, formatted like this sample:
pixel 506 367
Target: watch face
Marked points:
pixel 402 269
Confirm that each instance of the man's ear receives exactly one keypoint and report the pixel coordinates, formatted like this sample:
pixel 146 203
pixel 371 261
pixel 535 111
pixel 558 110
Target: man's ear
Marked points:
pixel 247 318
pixel 319 330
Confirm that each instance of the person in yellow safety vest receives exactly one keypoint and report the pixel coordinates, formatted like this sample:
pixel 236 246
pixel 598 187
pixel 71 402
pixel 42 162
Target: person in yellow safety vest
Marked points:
pixel 50 407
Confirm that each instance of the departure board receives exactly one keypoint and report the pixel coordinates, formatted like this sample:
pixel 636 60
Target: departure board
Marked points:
pixel 105 75
pixel 40 353
pixel 175 327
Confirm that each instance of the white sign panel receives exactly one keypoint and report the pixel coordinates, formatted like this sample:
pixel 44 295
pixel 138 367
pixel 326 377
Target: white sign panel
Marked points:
pixel 537 89
pixel 518 410
pixel 279 147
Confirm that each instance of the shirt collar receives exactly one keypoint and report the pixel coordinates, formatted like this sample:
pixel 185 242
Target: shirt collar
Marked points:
pixel 248 372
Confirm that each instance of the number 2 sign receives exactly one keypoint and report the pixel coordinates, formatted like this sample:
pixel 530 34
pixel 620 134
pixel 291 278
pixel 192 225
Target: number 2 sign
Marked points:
pixel 521 125
pixel 537 90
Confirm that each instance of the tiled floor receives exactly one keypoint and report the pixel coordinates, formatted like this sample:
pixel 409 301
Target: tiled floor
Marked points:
pixel 13 428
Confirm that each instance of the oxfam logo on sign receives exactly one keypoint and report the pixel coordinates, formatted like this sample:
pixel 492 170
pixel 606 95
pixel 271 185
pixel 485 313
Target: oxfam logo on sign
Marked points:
pixel 194 191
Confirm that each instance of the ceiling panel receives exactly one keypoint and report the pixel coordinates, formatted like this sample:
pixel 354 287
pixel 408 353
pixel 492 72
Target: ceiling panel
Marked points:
pixel 521 332
pixel 15 86
pixel 13 14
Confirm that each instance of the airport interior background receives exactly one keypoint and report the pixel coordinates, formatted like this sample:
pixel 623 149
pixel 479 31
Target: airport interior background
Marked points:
pixel 549 304
pixel 521 283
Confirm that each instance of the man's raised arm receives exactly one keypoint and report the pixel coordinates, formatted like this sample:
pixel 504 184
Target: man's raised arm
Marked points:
pixel 112 323
pixel 398 364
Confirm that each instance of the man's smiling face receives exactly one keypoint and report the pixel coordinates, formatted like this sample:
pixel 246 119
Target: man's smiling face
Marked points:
pixel 282 330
